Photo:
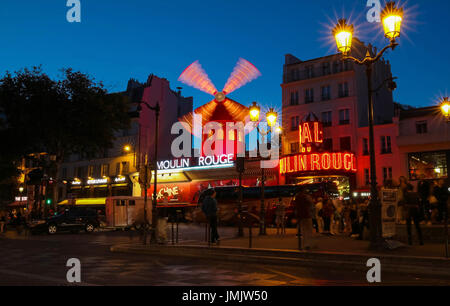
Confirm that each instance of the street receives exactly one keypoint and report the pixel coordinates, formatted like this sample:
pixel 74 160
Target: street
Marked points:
pixel 41 260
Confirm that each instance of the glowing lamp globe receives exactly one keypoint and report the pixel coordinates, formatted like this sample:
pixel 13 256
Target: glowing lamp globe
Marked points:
pixel 271 117
pixel 254 112
pixel 445 107
pixel 343 33
pixel 392 18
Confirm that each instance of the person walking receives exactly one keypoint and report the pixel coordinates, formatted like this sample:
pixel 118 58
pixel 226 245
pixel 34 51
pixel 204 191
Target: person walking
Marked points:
pixel 2 221
pixel 161 228
pixel 280 216
pixel 423 188
pixel 441 194
pixel 318 214
pixel 411 203
pixel 327 213
pixel 209 207
pixel 304 206
pixel 402 189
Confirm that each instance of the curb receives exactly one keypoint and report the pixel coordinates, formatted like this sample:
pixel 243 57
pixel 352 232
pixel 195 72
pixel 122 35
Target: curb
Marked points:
pixel 347 261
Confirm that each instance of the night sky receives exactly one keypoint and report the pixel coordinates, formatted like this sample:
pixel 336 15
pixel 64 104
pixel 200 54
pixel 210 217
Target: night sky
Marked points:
pixel 118 40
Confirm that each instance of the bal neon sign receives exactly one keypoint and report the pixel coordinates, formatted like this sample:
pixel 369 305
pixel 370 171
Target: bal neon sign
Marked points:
pixel 310 134
pixel 318 162
pixel 311 139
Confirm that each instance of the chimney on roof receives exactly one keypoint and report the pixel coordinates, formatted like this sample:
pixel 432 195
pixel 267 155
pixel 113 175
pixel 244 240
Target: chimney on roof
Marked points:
pixel 179 91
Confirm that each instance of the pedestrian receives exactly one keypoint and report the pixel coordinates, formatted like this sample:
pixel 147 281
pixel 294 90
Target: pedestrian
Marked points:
pixel 280 216
pixel 304 206
pixel 347 219
pixel 423 188
pixel 402 189
pixel 209 207
pixel 161 228
pixel 363 217
pixel 2 221
pixel 411 204
pixel 441 194
pixel 318 214
pixel 328 211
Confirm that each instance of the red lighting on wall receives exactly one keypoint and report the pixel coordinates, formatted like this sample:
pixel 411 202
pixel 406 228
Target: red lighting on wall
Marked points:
pixel 318 162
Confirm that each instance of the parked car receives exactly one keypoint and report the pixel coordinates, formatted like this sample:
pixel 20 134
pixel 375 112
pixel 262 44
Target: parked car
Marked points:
pixel 71 219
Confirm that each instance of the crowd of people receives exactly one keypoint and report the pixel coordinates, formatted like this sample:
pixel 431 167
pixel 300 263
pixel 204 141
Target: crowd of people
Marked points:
pixel 425 204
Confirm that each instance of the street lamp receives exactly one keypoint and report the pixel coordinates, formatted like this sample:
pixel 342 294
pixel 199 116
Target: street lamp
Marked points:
pixel 156 109
pixel 127 148
pixel 271 117
pixel 445 108
pixel 392 18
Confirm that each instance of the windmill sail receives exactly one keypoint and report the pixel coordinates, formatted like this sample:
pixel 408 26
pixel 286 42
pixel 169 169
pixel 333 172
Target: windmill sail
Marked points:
pixel 243 73
pixel 195 76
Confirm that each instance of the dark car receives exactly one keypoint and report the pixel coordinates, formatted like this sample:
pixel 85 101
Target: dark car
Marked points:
pixel 72 219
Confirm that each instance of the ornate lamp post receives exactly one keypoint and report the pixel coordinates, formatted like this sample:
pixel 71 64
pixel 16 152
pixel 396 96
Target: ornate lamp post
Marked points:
pixel 271 117
pixel 156 109
pixel 445 109
pixel 391 17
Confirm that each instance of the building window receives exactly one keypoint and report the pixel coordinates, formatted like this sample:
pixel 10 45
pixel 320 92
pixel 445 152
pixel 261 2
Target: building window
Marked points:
pixel 309 71
pixel 366 177
pixel 64 173
pixel 125 168
pixel 117 168
pixel 387 174
pixel 337 66
pixel 346 143
pixel 344 116
pixel 347 65
pixel 326 93
pixel 326 119
pixel 294 98
pixel 326 69
pixel 365 146
pixel 295 122
pixel 343 90
pixel 427 165
pixel 295 147
pixel 105 170
pixel 421 127
pixel 328 144
pixel 386 145
pixel 309 95
pixel 90 171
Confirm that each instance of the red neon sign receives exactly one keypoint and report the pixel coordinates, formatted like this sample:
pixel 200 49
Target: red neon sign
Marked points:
pixel 310 135
pixel 318 162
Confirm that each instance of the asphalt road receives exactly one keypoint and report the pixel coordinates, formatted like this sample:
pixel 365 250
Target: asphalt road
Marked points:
pixel 41 260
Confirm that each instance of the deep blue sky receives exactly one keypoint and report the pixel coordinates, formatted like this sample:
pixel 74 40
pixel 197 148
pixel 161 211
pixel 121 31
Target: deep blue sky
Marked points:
pixel 117 40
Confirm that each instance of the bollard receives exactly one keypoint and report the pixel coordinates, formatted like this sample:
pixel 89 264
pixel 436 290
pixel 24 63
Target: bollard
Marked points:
pixel 172 234
pixel 177 233
pixel 299 233
pixel 250 236
pixel 446 235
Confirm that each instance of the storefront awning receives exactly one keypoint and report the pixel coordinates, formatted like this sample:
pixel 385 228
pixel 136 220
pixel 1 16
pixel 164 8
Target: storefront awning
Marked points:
pixel 85 201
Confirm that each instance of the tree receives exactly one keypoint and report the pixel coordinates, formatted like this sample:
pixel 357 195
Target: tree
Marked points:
pixel 73 115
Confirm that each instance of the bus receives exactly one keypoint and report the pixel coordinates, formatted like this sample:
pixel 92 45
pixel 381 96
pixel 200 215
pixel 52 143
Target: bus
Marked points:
pixel 228 196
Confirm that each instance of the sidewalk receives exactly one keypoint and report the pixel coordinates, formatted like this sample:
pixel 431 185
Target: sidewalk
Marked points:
pixel 339 243
pixel 338 251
